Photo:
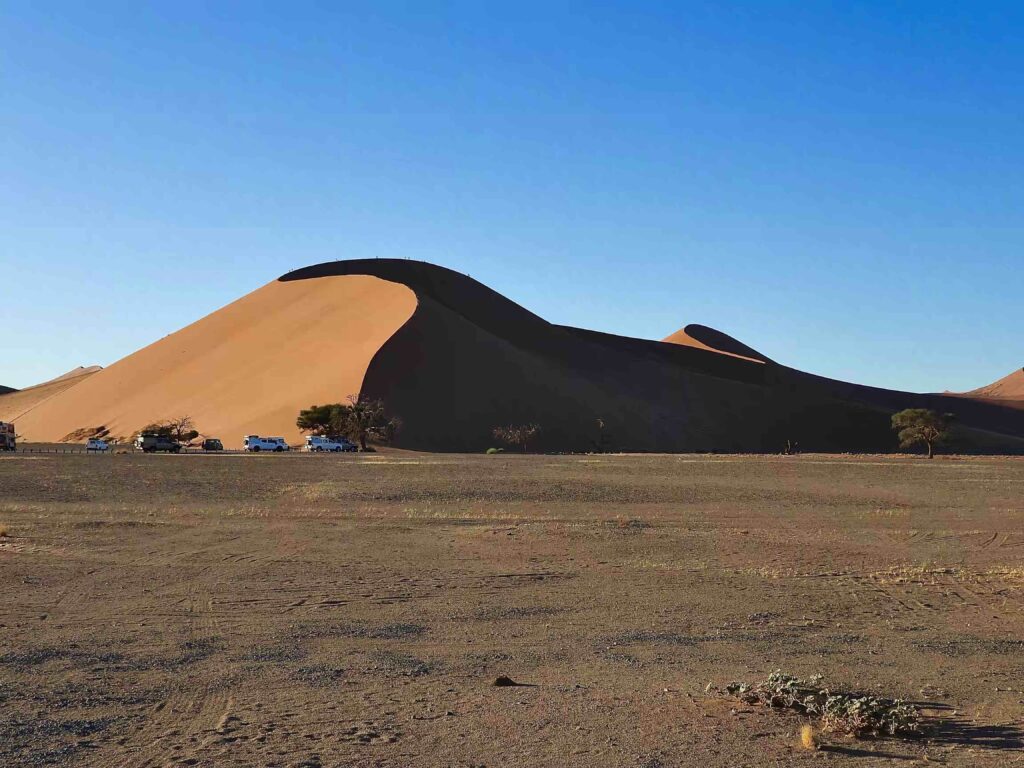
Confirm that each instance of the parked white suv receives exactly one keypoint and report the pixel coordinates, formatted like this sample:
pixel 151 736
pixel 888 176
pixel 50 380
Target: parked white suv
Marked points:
pixel 255 444
pixel 318 443
pixel 95 444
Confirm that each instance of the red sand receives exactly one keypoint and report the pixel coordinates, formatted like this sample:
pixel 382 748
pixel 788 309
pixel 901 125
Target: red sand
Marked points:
pixel 247 368
pixel 1009 387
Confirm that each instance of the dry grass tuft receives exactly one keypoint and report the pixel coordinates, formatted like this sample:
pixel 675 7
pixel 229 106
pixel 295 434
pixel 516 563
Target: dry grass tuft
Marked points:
pixel 4 533
pixel 808 738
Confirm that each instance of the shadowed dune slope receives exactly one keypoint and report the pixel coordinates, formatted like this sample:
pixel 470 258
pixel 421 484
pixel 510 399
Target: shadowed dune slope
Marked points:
pixel 1007 392
pixel 4 390
pixel 469 360
pixel 247 368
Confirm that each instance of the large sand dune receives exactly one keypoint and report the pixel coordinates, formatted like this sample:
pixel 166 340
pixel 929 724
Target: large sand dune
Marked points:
pixel 244 369
pixel 454 359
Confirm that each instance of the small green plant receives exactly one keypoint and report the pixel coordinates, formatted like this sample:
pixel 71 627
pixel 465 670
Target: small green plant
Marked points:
pixel 837 711
pixel 492 451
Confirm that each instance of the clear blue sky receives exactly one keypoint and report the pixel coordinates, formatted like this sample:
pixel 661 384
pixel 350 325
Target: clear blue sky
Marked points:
pixel 840 185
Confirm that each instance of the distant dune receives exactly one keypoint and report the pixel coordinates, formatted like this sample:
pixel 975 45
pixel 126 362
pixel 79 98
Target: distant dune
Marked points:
pixel 75 373
pixel 1010 387
pixel 702 337
pixel 4 390
pixel 454 359
pixel 18 403
pixel 1007 392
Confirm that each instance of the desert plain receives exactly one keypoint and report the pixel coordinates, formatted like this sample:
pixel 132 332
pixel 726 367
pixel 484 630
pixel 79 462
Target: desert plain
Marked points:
pixel 328 611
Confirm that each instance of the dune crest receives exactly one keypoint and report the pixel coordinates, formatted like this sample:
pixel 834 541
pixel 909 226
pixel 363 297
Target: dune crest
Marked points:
pixel 74 373
pixel 702 337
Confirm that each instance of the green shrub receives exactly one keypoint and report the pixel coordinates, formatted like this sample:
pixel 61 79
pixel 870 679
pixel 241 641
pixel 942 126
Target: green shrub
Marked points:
pixel 837 711
pixel 492 451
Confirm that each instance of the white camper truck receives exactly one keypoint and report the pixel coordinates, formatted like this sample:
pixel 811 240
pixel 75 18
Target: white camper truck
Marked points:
pixel 255 444
pixel 319 443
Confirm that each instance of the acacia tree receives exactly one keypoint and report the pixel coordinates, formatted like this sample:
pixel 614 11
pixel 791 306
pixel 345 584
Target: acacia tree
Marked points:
pixel 517 434
pixel 359 420
pixel 318 419
pixel 366 419
pixel 917 426
pixel 181 429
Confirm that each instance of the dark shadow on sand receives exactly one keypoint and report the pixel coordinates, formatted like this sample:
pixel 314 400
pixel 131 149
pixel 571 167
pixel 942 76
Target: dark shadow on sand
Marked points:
pixel 953 731
pixel 838 749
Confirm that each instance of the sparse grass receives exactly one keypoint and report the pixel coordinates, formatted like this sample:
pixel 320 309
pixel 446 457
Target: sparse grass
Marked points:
pixel 808 738
pixel 913 573
pixel 888 512
pixel 4 532
pixel 319 675
pixel 1009 574
pixel 655 564
pixel 769 572
pixel 628 524
pixel 837 711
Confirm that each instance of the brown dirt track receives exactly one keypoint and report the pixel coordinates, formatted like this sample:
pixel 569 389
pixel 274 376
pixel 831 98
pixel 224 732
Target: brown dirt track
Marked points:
pixel 353 610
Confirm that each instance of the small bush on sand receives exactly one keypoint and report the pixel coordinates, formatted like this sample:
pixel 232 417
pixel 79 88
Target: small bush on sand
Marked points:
pixel 3 531
pixel 838 712
pixel 492 451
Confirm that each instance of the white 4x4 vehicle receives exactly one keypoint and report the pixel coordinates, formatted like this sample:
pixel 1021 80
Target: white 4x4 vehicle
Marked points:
pixel 319 443
pixel 255 444
pixel 95 444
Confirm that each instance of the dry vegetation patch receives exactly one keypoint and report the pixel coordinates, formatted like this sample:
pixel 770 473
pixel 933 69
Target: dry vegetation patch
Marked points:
pixel 846 712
